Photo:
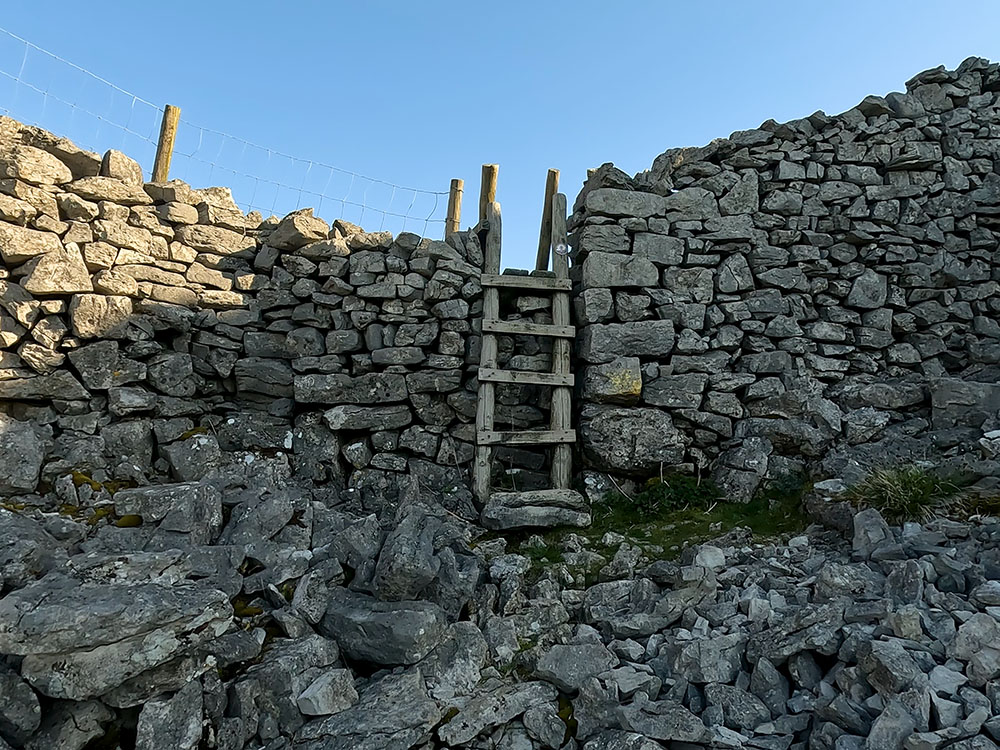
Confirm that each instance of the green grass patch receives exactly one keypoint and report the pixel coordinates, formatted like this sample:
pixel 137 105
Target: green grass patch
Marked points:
pixel 666 516
pixel 909 493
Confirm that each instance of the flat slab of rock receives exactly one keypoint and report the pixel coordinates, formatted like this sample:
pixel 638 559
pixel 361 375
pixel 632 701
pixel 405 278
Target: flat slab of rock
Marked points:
pixel 80 640
pixel 535 509
pixel 395 713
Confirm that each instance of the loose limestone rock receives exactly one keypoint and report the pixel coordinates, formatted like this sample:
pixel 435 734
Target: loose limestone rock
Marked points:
pixel 535 509
pixel 389 633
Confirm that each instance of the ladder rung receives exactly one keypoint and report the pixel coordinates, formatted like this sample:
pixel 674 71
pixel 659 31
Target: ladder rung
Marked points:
pixel 525 377
pixel 527 437
pixel 524 327
pixel 539 283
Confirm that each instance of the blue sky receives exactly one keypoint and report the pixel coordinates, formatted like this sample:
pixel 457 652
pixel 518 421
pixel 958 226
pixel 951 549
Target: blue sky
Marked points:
pixel 416 93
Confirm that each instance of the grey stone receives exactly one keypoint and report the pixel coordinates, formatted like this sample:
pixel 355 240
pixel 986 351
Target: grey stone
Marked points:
pixel 567 666
pixel 715 659
pixel 617 382
pixel 388 633
pixel 625 203
pixel 494 708
pixel 330 693
pixel 373 388
pixel 870 532
pixel 22 453
pixel 176 719
pixel 646 338
pixel 535 509
pixel 659 248
pixel 349 417
pixel 768 684
pixel 20 711
pixel 869 291
pixel 616 270
pixel 393 713
pixel 734 275
pixel 407 563
pixel 631 440
pixel 741 710
pixel 70 725
pixel 96 636
pixel 976 643
pixel 888 667
pixel 663 720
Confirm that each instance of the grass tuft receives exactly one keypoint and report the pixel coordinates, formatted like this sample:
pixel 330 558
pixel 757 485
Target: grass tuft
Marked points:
pixel 908 493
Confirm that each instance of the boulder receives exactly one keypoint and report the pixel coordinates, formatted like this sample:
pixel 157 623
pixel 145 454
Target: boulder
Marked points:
pixel 392 713
pixel 388 633
pixel 59 272
pixel 80 640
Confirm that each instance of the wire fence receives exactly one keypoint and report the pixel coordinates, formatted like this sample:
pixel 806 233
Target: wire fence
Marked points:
pixel 38 87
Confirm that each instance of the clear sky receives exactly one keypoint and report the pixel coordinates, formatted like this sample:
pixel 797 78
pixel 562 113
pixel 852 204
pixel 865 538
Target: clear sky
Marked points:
pixel 415 93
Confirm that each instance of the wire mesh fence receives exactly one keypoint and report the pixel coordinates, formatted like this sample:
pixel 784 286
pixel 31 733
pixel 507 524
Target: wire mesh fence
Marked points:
pixel 38 87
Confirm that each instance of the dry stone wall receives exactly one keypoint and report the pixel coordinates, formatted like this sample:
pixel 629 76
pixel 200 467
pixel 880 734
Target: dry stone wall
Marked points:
pixel 147 329
pixel 819 291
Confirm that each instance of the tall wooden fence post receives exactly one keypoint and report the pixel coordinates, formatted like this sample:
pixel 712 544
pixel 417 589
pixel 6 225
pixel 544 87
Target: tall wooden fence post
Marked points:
pixel 487 189
pixel 454 219
pixel 545 233
pixel 165 146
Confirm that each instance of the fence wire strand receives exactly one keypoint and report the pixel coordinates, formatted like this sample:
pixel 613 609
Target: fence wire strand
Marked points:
pixel 41 88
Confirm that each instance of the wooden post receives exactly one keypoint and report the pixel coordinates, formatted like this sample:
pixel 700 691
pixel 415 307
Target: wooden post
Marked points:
pixel 545 233
pixel 165 146
pixel 454 219
pixel 487 189
pixel 483 468
pixel 561 417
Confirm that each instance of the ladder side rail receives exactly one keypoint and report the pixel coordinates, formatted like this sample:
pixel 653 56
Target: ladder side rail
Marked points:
pixel 561 416
pixel 485 407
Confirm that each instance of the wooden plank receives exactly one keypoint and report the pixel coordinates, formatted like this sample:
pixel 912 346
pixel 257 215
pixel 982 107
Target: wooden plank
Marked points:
pixel 561 414
pixel 524 327
pixel 524 377
pixel 453 220
pixel 560 260
pixel 545 232
pixel 513 281
pixel 485 405
pixel 528 437
pixel 487 190
pixel 165 146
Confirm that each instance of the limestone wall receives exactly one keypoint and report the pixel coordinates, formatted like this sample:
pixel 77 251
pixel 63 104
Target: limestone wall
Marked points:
pixel 146 329
pixel 825 288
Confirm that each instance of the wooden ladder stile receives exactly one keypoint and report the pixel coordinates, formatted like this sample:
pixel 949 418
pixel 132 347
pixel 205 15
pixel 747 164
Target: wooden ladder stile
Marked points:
pixel 560 434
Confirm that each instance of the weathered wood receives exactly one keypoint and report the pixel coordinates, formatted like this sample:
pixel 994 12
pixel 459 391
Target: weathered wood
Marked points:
pixel 453 220
pixel 560 261
pixel 485 405
pixel 527 328
pixel 534 283
pixel 545 232
pixel 491 251
pixel 527 437
pixel 165 146
pixel 487 190
pixel 525 377
pixel 561 414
